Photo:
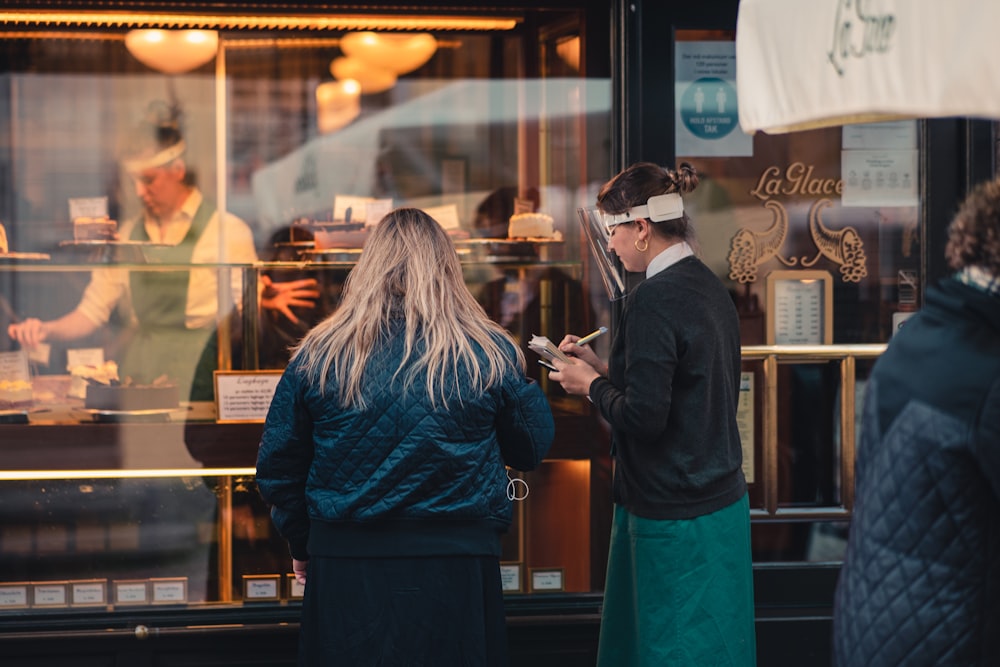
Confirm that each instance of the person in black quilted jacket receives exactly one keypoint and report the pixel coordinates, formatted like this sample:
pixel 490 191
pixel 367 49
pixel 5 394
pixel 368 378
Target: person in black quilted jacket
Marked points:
pixel 920 584
pixel 385 458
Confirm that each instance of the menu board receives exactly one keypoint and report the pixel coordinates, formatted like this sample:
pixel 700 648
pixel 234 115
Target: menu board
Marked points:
pixel 800 308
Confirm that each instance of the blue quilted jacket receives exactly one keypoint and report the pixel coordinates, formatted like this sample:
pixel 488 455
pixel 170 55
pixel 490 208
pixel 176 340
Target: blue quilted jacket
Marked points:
pixel 920 583
pixel 402 477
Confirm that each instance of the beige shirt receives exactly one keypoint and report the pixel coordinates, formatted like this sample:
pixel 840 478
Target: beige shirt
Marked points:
pixel 232 244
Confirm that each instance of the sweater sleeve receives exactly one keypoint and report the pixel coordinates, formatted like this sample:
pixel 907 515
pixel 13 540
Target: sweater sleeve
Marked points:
pixel 636 399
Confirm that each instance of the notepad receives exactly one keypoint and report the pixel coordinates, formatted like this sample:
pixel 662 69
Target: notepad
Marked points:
pixel 547 349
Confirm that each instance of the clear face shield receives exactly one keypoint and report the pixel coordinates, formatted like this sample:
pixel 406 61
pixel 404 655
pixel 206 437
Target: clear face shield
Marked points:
pixel 597 226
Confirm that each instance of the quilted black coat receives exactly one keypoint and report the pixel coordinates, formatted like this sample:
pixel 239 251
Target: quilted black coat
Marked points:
pixel 920 583
pixel 433 476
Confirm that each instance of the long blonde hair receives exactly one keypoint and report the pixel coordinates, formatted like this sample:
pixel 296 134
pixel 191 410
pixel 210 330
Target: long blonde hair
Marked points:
pixel 408 269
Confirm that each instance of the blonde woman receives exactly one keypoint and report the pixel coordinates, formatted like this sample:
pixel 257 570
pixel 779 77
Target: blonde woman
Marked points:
pixel 383 459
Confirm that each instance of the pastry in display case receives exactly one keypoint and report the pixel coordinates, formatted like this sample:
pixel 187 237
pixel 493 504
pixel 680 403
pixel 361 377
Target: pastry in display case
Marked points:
pixel 95 229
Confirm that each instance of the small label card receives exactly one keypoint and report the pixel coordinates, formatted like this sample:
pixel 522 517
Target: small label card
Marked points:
pixel 14 366
pixel 376 210
pixel 446 215
pixel 295 589
pixel 260 587
pixel 510 577
pixel 85 356
pixel 169 590
pixel 547 579
pixel 131 592
pixel 244 396
pixel 349 208
pixel 13 596
pixel 50 594
pixel 88 207
pixel 92 592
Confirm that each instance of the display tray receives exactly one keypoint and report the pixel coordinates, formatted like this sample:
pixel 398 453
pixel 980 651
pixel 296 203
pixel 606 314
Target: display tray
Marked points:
pixel 294 244
pixel 507 250
pixel 109 242
pixel 104 416
pixel 17 256
pixel 106 251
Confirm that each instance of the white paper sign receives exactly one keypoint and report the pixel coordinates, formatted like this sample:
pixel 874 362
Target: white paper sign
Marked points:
pixel 879 178
pixel 244 397
pixel 547 580
pixel 706 111
pixel 13 596
pixel 88 207
pixel 131 592
pixel 893 135
pixel 89 592
pixel 510 578
pixel 89 356
pixel 744 422
pixel 49 595
pixel 170 590
pixel 14 366
pixel 376 210
pixel 446 216
pixel 356 206
pixel 262 589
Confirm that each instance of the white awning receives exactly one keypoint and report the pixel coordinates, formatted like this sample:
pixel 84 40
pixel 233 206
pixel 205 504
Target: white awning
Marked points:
pixel 802 64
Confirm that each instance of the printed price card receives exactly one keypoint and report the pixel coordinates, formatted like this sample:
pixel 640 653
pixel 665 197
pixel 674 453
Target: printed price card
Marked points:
pixel 244 396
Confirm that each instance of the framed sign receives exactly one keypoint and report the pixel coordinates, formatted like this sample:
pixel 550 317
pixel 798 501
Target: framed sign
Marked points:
pixel 510 577
pixel 50 594
pixel 244 396
pixel 261 587
pixel 173 590
pixel 799 308
pixel 546 579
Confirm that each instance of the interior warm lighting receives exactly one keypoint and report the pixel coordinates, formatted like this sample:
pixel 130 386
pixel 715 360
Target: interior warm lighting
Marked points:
pixel 172 51
pixel 371 79
pixel 399 53
pixel 568 50
pixel 310 22
pixel 337 104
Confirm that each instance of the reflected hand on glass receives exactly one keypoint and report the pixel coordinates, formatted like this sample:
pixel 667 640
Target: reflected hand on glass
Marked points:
pixel 282 297
pixel 28 333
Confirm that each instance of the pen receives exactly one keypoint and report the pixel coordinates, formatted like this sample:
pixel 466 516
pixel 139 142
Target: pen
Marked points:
pixel 591 336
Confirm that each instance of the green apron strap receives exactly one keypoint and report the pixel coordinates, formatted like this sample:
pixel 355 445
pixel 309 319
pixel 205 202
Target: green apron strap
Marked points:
pixel 163 345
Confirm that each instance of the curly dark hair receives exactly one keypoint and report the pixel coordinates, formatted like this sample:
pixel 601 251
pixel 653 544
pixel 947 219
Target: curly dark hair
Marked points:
pixel 974 234
pixel 636 184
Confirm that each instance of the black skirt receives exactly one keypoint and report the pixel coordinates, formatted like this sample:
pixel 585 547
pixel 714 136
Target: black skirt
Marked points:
pixel 433 611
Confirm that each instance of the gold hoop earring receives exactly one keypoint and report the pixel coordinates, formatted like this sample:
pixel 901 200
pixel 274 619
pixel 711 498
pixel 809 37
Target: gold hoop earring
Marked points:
pixel 645 245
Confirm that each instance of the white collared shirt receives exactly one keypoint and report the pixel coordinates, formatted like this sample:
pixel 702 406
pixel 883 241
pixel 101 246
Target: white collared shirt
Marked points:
pixel 236 246
pixel 668 257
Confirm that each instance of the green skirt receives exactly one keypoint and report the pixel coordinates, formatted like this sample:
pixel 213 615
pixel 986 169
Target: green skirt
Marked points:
pixel 679 592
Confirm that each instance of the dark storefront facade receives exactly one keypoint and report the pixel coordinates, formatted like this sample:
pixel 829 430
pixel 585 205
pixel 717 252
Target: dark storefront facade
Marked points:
pixel 139 538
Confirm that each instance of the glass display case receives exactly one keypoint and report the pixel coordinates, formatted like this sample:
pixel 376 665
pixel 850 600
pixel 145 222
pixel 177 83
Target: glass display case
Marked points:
pixel 125 507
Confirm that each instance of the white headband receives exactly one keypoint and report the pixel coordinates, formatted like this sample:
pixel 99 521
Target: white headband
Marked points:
pixel 656 209
pixel 166 156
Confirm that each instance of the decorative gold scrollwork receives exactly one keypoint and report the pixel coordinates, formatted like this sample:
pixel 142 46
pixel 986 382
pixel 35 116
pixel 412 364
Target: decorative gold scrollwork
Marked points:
pixel 843 246
pixel 750 249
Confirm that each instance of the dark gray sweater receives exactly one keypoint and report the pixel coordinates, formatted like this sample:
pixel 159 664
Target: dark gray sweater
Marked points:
pixel 671 396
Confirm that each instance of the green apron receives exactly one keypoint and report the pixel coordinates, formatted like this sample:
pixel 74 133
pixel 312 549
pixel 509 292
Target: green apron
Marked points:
pixel 679 593
pixel 162 344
